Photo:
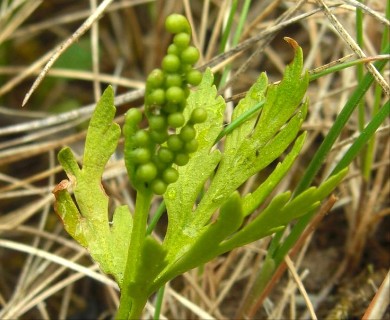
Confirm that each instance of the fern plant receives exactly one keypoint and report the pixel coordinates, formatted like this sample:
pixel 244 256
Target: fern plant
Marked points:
pixel 175 156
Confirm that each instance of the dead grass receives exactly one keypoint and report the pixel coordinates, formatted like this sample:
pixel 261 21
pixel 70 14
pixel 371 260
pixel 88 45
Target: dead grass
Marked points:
pixel 339 264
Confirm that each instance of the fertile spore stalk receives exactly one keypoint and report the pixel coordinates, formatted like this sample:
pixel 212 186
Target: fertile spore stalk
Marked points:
pixel 152 153
pixel 169 139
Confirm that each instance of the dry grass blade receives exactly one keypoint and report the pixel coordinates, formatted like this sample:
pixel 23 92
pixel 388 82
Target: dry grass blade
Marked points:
pixel 67 116
pixel 82 75
pixel 301 287
pixel 17 19
pixel 65 45
pixel 380 17
pixel 381 301
pixel 354 46
pixel 191 306
pixel 58 260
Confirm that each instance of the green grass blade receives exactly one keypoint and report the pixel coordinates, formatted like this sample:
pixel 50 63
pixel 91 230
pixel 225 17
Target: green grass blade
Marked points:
pixel 369 156
pixel 315 74
pixel 240 120
pixel 159 212
pixel 363 138
pixel 360 68
pixel 337 127
pixel 159 301
pixel 228 27
pixel 236 37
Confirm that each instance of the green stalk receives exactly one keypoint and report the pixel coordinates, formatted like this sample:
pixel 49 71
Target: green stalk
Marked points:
pixel 160 293
pixel 132 301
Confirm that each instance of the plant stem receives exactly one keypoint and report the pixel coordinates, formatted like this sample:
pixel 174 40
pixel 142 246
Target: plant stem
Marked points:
pixel 132 302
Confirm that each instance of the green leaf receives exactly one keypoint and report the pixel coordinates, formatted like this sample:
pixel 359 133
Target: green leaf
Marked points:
pixel 152 263
pixel 68 213
pixel 253 200
pixel 207 244
pixel 130 127
pixel 191 238
pixel 102 136
pixel 121 228
pixel 181 195
pixel 279 123
pixel 282 99
pixel 255 94
pixel 282 211
pixel 69 163
pixel 265 223
pixel 88 221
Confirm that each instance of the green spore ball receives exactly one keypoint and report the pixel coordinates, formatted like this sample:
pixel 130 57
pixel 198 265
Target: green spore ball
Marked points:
pixel 170 63
pixel 190 55
pixel 185 67
pixel 157 122
pixel 194 77
pixel 198 115
pixel 141 155
pixel 159 136
pixel 170 175
pixel 173 49
pixel 155 78
pixel 158 186
pixel 165 155
pixel 176 120
pixel 187 133
pixel 182 40
pixel 134 115
pixel 174 143
pixel 161 166
pixel 156 97
pixel 175 94
pixel 181 159
pixel 141 138
pixel 171 107
pixel 157 148
pixel 146 172
pixel 176 23
pixel 191 146
pixel 173 80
